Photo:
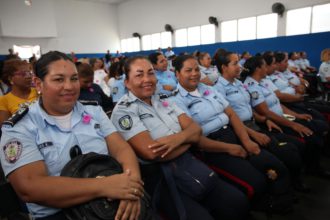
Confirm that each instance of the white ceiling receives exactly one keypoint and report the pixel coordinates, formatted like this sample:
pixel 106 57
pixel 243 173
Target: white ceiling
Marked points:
pixel 107 1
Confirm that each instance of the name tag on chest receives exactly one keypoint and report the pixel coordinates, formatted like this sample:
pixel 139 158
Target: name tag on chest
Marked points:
pixel 45 144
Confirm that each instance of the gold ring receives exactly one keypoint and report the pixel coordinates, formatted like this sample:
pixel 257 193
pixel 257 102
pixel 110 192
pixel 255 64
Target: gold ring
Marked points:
pixel 135 191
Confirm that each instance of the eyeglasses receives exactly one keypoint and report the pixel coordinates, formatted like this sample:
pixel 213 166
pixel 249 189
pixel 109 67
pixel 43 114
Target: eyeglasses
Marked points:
pixel 23 73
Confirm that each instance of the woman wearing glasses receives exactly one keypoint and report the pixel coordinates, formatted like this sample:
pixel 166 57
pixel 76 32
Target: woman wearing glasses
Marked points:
pixel 17 74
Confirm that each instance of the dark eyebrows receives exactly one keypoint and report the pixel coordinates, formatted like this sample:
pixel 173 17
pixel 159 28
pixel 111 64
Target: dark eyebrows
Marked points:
pixel 141 71
pixel 63 75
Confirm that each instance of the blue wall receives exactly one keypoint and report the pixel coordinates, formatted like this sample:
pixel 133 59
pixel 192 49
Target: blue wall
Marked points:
pixel 313 44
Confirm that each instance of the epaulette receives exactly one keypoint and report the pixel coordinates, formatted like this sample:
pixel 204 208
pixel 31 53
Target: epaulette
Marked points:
pixel 89 102
pixel 165 96
pixel 125 103
pixel 250 83
pixel 18 115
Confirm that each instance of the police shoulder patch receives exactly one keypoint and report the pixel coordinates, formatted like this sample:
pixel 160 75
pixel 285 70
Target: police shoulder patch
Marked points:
pixel 18 115
pixel 12 150
pixel 125 122
pixel 255 95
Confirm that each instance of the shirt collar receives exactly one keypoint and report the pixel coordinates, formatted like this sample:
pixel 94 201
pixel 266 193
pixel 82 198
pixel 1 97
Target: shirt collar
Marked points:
pixel 183 92
pixel 249 80
pixel 201 89
pixel 78 111
pixel 223 81
pixel 131 98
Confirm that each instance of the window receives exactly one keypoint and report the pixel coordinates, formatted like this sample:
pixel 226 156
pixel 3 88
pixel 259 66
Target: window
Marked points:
pixel 267 26
pixel 208 34
pixel 146 42
pixel 123 44
pixel 298 21
pixel 155 41
pixel 166 39
pixel 136 44
pixel 130 44
pixel 321 18
pixel 181 38
pixel 194 36
pixel 247 28
pixel 27 51
pixel 229 31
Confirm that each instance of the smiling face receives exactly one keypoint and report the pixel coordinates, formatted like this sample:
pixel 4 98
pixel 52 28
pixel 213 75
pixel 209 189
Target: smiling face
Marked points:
pixel 141 79
pixel 189 75
pixel 59 88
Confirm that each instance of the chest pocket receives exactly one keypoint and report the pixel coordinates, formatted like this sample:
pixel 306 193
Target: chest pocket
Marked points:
pixel 265 92
pixel 49 151
pixel 149 121
pixel 231 92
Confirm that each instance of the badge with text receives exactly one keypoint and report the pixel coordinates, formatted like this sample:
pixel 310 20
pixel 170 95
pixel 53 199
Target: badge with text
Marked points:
pixel 12 151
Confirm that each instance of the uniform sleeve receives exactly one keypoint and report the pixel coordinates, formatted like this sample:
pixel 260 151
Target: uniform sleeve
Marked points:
pixel 127 121
pixel 221 98
pixel 180 104
pixel 18 147
pixel 220 88
pixel 256 96
pixel 178 110
pixel 272 86
pixel 106 126
pixel 202 75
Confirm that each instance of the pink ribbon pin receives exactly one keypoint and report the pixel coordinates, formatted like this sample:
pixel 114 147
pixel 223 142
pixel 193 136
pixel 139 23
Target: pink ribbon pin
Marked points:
pixel 165 104
pixel 207 92
pixel 87 119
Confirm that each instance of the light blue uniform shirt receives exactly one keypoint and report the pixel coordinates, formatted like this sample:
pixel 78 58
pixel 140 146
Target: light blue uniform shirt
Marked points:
pixel 132 116
pixel 207 110
pixel 118 89
pixel 37 136
pixel 291 77
pixel 165 78
pixel 268 83
pixel 212 72
pixel 282 83
pixel 259 94
pixel 237 95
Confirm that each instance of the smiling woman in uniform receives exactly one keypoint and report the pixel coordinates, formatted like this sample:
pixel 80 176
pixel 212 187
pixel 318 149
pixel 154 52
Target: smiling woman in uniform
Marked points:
pixel 35 146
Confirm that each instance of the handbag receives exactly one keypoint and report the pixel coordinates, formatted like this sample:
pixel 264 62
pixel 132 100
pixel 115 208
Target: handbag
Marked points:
pixel 93 165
